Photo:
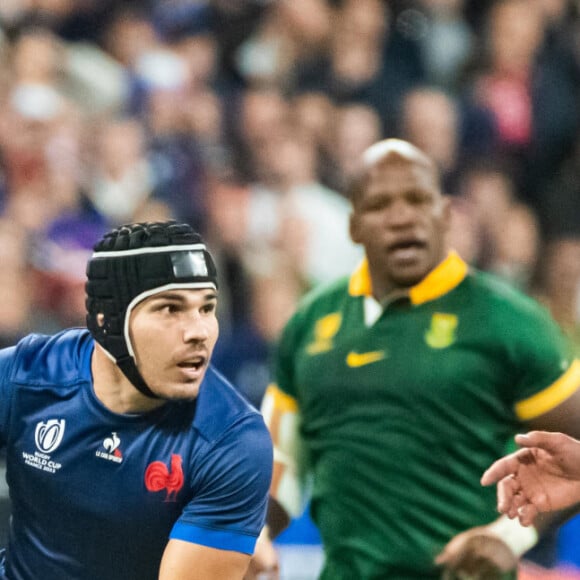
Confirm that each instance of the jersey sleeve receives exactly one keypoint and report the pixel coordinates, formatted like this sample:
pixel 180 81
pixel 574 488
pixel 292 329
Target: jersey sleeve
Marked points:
pixel 281 414
pixel 549 373
pixel 230 491
pixel 6 362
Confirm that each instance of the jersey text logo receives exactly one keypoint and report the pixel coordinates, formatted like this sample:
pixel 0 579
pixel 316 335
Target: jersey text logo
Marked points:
pixel 158 477
pixel 356 359
pixel 112 451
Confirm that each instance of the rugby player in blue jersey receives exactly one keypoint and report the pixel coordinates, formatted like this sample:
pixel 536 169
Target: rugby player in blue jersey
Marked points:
pixel 128 455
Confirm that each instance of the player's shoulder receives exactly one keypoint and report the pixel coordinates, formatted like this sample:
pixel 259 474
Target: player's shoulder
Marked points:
pixel 500 296
pixel 40 359
pixel 325 302
pixel 221 407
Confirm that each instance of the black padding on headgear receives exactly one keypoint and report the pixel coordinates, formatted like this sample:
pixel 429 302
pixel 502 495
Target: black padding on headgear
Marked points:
pixel 129 261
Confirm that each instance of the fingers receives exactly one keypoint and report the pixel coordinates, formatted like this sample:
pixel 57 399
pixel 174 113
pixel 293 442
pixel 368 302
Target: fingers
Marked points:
pixel 548 441
pixel 508 465
pixel 513 502
pixel 527 514
pixel 509 496
pixel 501 469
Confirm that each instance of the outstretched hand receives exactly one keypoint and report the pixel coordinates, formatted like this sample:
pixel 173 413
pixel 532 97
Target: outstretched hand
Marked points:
pixel 543 476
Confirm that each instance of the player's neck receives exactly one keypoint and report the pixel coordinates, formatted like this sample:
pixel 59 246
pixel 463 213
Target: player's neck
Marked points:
pixel 114 389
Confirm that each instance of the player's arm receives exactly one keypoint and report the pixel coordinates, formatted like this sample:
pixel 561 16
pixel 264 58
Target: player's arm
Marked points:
pixel 499 545
pixel 215 536
pixel 187 561
pixel 280 412
pixel 555 409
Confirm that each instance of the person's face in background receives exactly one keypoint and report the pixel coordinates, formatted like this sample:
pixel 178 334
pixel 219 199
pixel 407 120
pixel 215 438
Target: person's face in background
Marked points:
pixel 430 120
pixel 401 218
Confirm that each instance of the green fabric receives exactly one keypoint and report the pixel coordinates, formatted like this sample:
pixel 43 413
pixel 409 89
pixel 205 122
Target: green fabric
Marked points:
pixel 397 445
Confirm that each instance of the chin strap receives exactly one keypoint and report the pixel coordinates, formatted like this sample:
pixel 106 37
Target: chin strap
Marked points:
pixel 129 369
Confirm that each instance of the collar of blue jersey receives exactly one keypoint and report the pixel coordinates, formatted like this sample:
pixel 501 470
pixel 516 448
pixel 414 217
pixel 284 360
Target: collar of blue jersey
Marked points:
pixel 441 280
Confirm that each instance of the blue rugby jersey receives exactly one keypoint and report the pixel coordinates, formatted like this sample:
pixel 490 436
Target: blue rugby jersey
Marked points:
pixel 96 495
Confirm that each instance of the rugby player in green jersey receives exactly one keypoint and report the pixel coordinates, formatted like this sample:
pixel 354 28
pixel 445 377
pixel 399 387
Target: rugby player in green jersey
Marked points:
pixel 397 387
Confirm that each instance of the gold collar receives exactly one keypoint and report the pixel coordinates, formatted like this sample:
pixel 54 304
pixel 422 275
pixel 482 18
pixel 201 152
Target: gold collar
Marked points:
pixel 441 280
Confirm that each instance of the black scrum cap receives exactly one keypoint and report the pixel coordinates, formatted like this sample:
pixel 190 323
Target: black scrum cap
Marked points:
pixel 131 263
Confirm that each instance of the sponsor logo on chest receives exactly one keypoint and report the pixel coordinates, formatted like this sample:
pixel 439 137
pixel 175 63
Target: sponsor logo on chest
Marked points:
pixel 110 449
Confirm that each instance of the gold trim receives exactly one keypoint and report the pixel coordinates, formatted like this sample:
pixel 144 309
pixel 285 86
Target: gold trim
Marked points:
pixel 444 278
pixel 360 281
pixel 282 402
pixel 552 396
pixel 441 280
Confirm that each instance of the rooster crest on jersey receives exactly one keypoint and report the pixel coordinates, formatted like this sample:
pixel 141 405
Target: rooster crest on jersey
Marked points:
pixel 131 263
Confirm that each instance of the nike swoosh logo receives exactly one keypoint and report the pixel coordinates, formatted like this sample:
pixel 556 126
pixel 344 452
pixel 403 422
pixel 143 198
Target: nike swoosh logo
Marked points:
pixel 356 359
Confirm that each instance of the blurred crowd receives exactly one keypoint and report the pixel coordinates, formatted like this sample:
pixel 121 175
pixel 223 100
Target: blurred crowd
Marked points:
pixel 247 118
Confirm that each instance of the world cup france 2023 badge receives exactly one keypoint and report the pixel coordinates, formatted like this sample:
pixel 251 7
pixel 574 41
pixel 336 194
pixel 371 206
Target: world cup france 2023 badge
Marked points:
pixel 441 334
pixel 49 434
pixel 47 438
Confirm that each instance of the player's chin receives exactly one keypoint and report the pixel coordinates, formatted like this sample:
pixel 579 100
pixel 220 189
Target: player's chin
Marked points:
pixel 181 388
pixel 409 277
pixel 181 391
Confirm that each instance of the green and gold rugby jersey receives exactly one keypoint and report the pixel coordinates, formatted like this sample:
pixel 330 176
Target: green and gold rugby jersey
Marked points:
pixel 399 419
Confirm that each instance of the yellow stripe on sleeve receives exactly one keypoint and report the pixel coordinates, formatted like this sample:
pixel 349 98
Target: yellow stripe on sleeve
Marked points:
pixel 551 397
pixel 282 402
pixel 280 412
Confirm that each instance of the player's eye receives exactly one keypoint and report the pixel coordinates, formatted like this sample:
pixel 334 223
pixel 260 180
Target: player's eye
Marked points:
pixel 169 308
pixel 209 308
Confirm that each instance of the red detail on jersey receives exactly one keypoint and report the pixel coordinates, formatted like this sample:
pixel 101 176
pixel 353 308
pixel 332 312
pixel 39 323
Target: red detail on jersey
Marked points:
pixel 117 453
pixel 158 477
